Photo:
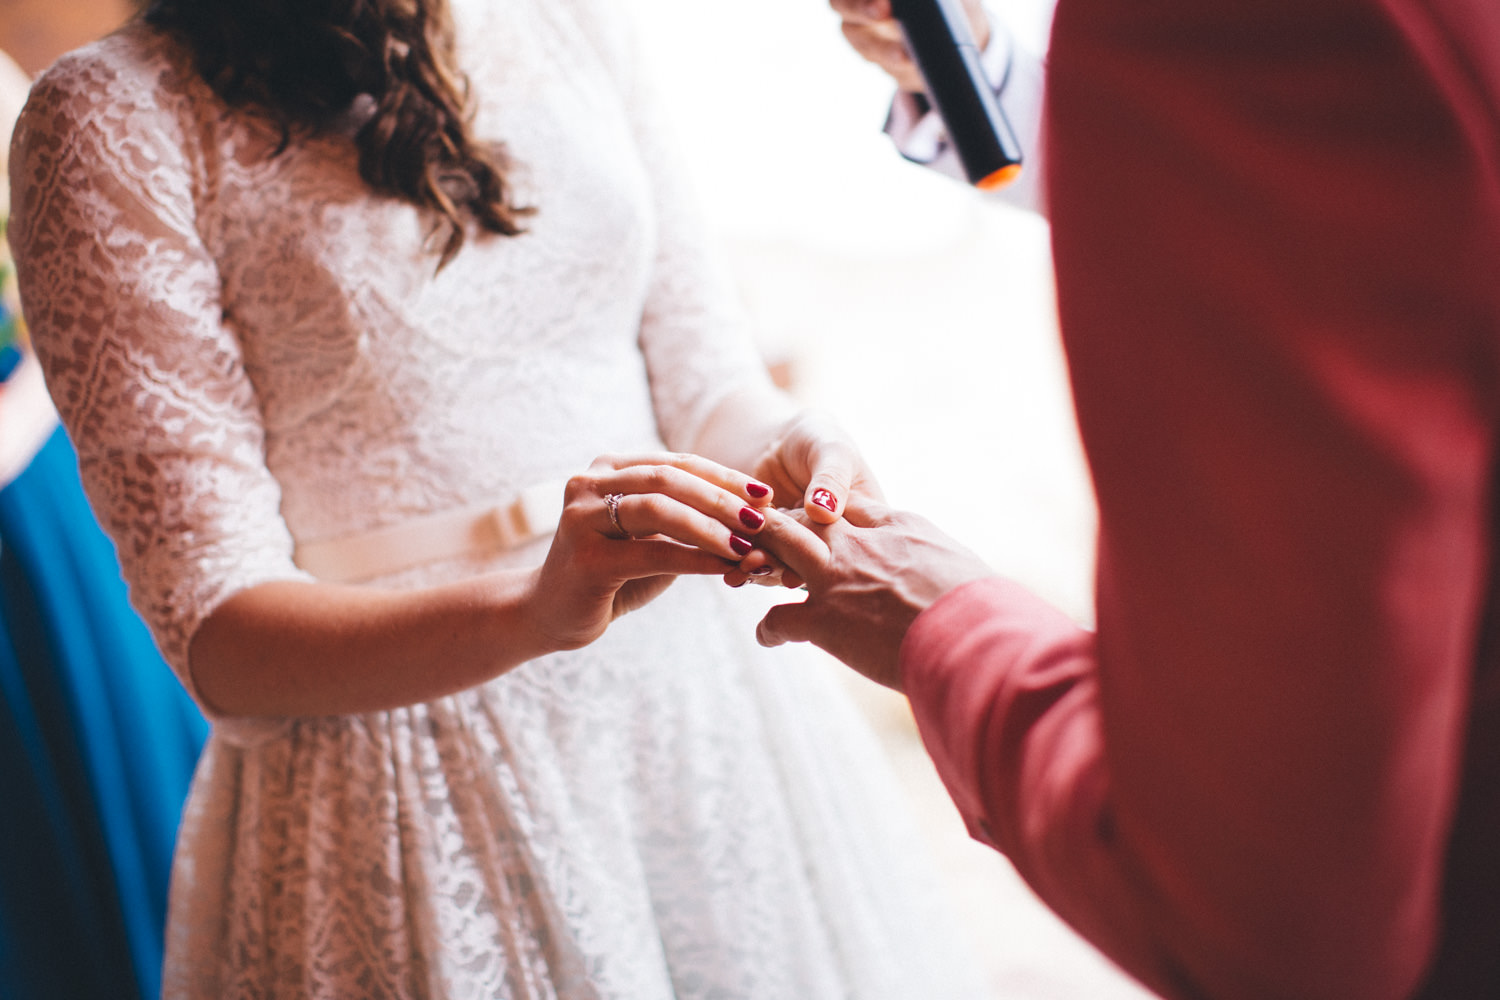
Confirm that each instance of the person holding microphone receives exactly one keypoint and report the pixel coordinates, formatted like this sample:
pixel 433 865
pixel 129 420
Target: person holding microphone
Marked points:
pixel 1011 70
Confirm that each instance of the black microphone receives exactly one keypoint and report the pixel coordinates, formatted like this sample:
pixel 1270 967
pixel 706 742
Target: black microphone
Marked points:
pixel 941 44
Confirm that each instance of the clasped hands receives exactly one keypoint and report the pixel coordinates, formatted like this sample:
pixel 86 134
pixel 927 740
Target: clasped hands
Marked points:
pixel 633 523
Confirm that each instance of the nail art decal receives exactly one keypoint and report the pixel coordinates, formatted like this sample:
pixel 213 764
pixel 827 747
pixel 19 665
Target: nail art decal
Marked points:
pixel 824 498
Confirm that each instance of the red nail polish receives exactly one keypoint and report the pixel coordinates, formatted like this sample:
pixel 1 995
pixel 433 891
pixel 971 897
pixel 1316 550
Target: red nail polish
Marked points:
pixel 758 491
pixel 824 498
pixel 741 544
pixel 751 518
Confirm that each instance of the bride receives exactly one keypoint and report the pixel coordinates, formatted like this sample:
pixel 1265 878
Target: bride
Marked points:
pixel 333 358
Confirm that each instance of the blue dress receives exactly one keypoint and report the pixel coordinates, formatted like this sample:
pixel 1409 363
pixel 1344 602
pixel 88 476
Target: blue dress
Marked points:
pixel 97 746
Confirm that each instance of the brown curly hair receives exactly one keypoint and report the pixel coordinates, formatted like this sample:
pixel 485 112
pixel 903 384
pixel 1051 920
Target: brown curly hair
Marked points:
pixel 305 61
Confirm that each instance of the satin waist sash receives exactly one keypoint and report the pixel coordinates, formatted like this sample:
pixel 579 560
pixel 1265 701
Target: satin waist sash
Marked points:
pixel 477 530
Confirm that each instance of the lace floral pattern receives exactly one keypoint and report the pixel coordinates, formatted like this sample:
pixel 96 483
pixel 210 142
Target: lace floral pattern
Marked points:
pixel 250 350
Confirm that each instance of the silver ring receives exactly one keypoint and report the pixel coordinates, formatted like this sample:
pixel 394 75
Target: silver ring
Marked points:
pixel 612 504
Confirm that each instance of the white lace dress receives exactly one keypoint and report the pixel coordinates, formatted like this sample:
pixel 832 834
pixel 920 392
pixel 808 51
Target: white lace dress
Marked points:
pixel 252 352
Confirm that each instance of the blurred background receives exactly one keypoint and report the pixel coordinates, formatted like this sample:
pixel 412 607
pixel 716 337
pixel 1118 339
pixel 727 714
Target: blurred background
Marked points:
pixel 921 313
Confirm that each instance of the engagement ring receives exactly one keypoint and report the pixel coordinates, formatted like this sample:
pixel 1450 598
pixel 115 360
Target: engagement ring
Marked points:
pixel 612 504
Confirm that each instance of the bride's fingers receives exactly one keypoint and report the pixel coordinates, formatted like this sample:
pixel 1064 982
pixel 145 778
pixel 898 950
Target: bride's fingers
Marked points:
pixel 762 568
pixel 641 516
pixel 752 491
pixel 648 557
pixel 640 501
pixel 786 579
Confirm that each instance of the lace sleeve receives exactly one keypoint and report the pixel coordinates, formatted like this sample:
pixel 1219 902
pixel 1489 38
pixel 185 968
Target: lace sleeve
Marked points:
pixel 123 303
pixel 695 335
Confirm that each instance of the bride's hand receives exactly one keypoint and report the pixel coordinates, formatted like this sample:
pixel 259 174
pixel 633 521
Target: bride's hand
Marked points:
pixel 629 525
pixel 812 460
pixel 815 462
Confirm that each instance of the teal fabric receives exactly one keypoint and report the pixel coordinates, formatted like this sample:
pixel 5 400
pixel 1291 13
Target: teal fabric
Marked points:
pixel 97 747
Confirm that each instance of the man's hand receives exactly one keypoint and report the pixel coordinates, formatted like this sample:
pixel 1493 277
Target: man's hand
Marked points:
pixel 874 34
pixel 868 577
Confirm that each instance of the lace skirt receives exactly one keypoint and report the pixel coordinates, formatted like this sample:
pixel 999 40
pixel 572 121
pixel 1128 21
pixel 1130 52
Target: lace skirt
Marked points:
pixel 672 812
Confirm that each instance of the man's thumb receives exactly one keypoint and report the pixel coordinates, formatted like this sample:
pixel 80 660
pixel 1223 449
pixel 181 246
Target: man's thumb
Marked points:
pixel 784 623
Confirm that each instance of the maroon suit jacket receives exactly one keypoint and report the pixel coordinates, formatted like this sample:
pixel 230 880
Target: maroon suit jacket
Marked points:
pixel 1274 768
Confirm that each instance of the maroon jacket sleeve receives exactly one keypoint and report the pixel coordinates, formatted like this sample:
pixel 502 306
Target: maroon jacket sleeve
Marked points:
pixel 1277 242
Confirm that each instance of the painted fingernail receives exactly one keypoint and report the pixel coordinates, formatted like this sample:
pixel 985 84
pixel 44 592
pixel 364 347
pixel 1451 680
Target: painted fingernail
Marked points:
pixel 762 571
pixel 824 498
pixel 758 490
pixel 751 518
pixel 741 544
